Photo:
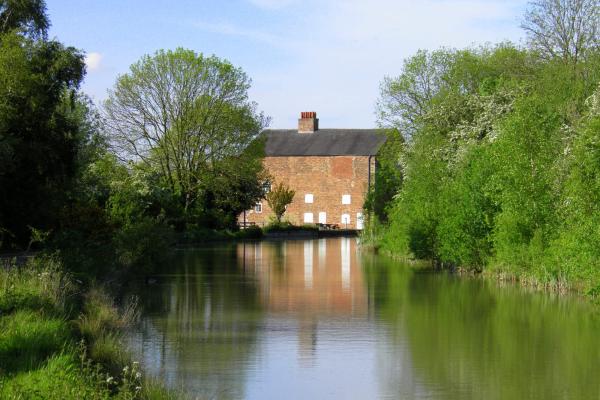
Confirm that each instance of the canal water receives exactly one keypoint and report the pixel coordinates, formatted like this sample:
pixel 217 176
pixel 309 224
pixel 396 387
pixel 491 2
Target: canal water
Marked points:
pixel 318 319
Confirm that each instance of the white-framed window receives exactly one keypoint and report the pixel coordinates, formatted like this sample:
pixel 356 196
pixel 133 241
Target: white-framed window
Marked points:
pixel 258 208
pixel 309 198
pixel 345 219
pixel 308 218
pixel 346 199
pixel 322 217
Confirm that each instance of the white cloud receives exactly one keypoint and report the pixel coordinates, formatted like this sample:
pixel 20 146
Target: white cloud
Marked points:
pixel 92 61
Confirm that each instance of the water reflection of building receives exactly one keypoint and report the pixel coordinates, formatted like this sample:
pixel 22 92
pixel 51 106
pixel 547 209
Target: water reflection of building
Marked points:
pixel 311 280
pixel 312 277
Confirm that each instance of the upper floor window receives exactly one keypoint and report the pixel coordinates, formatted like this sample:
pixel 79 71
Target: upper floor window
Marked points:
pixel 308 198
pixel 346 199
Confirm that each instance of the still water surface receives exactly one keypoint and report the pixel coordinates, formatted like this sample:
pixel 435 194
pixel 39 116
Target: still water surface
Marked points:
pixel 317 319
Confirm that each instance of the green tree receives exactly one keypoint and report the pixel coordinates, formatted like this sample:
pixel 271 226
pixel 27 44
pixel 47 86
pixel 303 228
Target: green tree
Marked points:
pixel 40 131
pixel 184 115
pixel 575 254
pixel 563 29
pixel 25 16
pixel 500 158
pixel 279 198
pixel 467 212
pixel 230 187
pixel 405 99
pixel 388 177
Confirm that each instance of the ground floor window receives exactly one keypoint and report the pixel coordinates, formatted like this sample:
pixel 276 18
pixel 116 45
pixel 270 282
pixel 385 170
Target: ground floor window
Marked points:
pixel 258 208
pixel 360 222
pixel 322 217
pixel 346 219
pixel 308 218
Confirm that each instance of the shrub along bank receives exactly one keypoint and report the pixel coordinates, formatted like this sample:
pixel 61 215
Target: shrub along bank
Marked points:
pixel 500 167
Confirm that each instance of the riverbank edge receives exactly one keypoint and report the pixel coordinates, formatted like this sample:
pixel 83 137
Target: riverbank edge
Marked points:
pixel 497 275
pixel 94 362
pixel 200 237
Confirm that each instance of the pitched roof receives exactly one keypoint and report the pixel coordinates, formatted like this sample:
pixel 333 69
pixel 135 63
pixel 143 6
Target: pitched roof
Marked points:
pixel 323 142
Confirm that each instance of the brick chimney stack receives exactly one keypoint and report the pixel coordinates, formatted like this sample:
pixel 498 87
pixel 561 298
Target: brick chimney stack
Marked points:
pixel 308 122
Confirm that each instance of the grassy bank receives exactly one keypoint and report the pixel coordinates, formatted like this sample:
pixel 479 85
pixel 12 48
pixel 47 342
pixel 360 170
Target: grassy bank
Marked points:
pixel 61 340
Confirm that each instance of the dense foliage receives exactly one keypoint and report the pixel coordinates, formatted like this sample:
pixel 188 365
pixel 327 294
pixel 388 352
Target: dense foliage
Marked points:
pixel 175 149
pixel 500 166
pixel 40 132
pixel 187 119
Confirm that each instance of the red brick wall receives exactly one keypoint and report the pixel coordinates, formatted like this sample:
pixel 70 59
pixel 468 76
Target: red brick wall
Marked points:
pixel 327 179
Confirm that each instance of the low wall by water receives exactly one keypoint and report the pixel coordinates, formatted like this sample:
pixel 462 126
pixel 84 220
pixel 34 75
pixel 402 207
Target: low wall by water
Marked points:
pixel 308 234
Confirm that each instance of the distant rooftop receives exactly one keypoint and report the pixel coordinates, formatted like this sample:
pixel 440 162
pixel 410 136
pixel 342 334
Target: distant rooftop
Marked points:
pixel 309 140
pixel 323 142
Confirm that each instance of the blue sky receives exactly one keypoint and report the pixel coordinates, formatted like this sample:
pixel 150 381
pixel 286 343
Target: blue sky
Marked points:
pixel 327 56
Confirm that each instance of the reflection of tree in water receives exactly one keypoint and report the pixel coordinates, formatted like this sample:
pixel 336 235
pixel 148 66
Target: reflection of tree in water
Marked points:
pixel 466 339
pixel 386 283
pixel 200 329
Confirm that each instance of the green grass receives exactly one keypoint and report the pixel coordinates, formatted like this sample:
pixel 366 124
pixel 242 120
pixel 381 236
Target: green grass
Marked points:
pixel 27 339
pixel 43 315
pixel 108 351
pixel 41 285
pixel 60 378
pixel 101 316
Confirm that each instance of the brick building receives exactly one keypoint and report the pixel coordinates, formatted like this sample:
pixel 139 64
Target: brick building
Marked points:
pixel 329 169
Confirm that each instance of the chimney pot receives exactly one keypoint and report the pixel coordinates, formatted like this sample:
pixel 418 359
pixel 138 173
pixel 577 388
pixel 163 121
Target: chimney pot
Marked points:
pixel 308 122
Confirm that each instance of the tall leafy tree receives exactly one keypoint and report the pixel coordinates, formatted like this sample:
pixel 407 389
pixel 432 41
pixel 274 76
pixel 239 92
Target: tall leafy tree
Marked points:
pixel 183 114
pixel 563 29
pixel 40 134
pixel 406 98
pixel 26 16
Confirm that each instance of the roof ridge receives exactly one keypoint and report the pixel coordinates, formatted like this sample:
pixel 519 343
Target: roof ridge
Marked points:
pixel 324 142
pixel 326 129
